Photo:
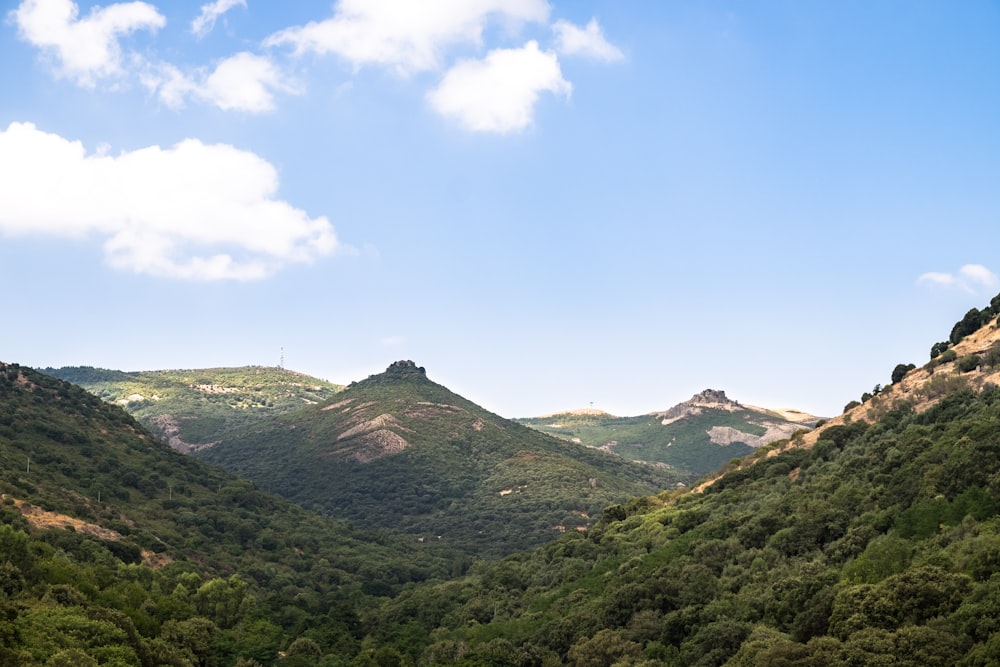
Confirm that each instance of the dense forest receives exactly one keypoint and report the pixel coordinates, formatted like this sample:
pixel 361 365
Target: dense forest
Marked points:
pixel 876 541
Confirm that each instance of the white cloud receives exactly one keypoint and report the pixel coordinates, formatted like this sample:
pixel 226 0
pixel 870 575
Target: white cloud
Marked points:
pixel 404 34
pixel 969 278
pixel 498 94
pixel 588 42
pixel 243 82
pixel 87 49
pixel 204 23
pixel 192 211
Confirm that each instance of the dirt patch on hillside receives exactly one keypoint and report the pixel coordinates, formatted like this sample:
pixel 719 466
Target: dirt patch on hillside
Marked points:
pixel 372 446
pixel 44 519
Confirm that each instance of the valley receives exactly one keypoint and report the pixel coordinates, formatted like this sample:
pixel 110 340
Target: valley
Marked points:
pixel 871 539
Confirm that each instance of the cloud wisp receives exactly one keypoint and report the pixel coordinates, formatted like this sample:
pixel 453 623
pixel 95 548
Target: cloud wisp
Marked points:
pixel 204 23
pixel 85 49
pixel 192 211
pixel 588 42
pixel 405 35
pixel 970 278
pixel 242 82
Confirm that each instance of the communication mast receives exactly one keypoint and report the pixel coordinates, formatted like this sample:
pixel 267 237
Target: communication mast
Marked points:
pixel 281 361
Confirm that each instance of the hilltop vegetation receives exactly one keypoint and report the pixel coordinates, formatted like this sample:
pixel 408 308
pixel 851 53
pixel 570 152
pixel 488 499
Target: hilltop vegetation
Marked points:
pixel 406 455
pixel 191 409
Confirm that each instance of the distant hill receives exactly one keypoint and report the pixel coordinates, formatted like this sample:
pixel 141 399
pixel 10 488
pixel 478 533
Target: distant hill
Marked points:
pixel 399 452
pixel 191 409
pixel 697 436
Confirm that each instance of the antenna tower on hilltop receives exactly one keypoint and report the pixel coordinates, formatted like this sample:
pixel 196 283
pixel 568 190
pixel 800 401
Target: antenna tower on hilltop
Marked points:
pixel 281 361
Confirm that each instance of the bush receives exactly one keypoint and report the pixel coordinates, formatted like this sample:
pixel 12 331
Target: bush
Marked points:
pixel 938 348
pixel 850 406
pixel 948 356
pixel 969 362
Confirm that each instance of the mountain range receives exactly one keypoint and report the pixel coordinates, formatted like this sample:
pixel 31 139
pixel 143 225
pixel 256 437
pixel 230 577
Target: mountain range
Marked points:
pixel 871 540
pixel 695 437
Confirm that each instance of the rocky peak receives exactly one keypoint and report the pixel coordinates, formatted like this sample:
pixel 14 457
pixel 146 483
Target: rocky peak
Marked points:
pixel 403 370
pixel 709 398
pixel 404 367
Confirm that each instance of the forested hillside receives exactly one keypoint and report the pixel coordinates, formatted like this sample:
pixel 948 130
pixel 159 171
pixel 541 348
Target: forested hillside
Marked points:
pixel 117 550
pixel 404 454
pixel 873 540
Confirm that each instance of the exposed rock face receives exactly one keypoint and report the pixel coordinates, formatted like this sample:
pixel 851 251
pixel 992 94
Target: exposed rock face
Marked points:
pixel 727 435
pixel 405 367
pixel 710 398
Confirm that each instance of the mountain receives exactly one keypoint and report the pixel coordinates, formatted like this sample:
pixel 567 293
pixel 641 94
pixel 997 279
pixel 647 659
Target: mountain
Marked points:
pixel 872 540
pixel 401 453
pixel 117 550
pixel 697 436
pixel 190 409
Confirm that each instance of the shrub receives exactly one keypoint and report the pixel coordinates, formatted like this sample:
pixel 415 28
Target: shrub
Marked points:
pixel 938 348
pixel 969 362
pixel 948 356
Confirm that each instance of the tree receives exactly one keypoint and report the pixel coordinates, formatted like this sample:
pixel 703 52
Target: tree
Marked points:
pixel 967 325
pixel 900 371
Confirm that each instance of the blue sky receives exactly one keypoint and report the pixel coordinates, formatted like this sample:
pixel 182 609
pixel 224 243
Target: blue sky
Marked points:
pixel 549 205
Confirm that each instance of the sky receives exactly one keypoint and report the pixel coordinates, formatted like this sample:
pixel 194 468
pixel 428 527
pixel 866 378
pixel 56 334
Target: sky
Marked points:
pixel 549 205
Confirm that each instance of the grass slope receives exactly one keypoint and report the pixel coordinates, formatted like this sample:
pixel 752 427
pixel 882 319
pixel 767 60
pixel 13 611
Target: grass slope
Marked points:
pixel 402 453
pixel 191 409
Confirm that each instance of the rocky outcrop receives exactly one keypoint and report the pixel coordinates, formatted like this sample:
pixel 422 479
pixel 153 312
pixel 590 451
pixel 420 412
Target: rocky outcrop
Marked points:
pixel 715 399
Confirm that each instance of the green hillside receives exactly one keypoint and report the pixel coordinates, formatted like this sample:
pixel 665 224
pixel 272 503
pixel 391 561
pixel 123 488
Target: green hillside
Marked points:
pixel 117 550
pixel 873 541
pixel 398 452
pixel 191 409
pixel 694 437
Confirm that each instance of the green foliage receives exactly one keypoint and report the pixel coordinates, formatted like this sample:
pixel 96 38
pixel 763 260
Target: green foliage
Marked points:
pixel 202 568
pixel 900 371
pixel 939 348
pixel 969 324
pixel 881 550
pixel 968 363
pixel 948 356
